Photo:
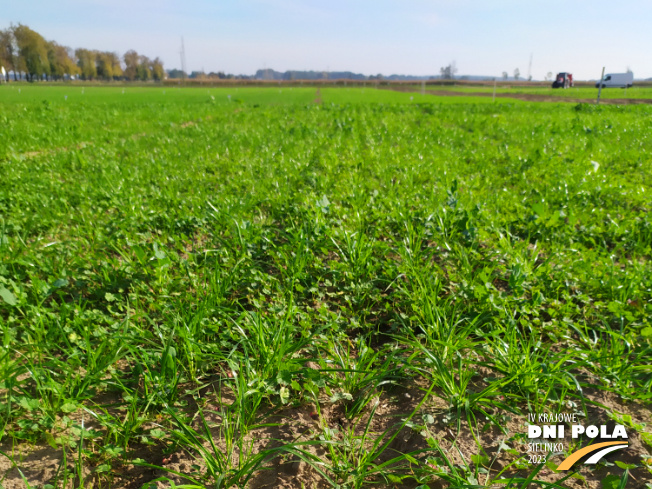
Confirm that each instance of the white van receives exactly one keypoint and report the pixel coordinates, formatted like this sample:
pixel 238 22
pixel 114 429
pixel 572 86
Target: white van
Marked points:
pixel 619 80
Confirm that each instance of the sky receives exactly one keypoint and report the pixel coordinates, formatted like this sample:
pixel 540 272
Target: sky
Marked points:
pixel 415 37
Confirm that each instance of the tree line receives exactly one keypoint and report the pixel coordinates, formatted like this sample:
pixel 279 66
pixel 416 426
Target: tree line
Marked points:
pixel 25 51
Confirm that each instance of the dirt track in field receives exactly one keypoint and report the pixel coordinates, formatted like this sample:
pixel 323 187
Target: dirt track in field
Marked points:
pixel 526 96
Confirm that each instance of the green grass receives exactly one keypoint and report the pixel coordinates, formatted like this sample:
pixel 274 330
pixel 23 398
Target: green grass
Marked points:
pixel 574 92
pixel 172 257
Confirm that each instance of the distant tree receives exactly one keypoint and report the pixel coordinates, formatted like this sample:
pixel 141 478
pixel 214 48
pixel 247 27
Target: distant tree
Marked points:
pixel 115 65
pixel 8 52
pixel 73 69
pixel 86 63
pixel 104 65
pixel 175 73
pixel 448 72
pixel 61 61
pixel 629 70
pixel 549 75
pixel 156 67
pixel 517 74
pixel 33 50
pixel 23 50
pixel 132 60
pixel 505 75
pixel 143 70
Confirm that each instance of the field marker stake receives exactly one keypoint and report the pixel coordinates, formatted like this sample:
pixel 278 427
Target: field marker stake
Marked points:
pixel 493 99
pixel 600 87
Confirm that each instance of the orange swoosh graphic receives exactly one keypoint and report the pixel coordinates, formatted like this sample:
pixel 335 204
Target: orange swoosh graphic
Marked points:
pixel 568 463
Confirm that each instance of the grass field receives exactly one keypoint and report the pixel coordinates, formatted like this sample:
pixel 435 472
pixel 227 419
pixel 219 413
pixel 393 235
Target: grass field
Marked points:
pixel 352 288
pixel 588 93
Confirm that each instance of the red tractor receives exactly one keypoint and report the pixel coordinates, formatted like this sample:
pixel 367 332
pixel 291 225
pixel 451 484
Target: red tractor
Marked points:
pixel 563 80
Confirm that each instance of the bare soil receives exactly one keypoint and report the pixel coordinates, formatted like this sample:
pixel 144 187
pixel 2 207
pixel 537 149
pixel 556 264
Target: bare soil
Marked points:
pixel 40 463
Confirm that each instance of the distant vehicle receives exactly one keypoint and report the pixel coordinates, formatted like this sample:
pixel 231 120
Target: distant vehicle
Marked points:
pixel 563 80
pixel 618 80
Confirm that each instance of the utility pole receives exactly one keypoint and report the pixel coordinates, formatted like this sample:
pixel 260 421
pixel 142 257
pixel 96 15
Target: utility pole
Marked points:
pixel 600 87
pixel 183 62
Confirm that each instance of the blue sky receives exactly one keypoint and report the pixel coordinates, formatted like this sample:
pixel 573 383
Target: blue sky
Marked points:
pixel 380 36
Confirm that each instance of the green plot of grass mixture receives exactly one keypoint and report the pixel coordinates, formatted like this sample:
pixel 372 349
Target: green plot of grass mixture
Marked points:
pixel 263 291
pixel 588 93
